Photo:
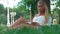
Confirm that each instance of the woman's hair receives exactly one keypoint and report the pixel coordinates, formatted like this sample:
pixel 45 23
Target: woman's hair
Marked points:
pixel 47 3
pixel 40 1
pixel 47 8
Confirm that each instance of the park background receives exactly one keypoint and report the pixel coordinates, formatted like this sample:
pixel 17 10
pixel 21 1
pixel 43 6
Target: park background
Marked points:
pixel 11 10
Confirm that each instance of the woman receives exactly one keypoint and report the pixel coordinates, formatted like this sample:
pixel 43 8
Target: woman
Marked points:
pixel 39 18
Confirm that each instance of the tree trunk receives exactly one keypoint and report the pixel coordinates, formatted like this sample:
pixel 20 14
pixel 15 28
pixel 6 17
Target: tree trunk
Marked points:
pixel 30 15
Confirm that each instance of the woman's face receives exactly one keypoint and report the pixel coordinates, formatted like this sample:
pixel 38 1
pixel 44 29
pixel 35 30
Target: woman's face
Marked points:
pixel 41 7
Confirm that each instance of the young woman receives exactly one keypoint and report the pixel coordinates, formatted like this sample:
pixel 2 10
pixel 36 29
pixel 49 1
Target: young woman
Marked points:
pixel 39 18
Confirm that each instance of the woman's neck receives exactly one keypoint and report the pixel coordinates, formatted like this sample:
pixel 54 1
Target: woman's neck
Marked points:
pixel 41 13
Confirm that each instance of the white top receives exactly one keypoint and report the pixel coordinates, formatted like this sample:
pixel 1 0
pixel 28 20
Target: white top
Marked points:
pixel 41 20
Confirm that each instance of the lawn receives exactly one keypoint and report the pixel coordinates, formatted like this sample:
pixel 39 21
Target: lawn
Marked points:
pixel 54 29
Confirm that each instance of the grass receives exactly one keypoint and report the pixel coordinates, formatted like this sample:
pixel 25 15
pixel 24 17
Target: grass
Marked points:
pixel 54 29
pixel 2 27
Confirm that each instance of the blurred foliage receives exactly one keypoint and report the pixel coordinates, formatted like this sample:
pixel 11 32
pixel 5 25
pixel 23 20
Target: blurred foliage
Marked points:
pixel 54 29
pixel 57 10
pixel 32 5
pixel 58 3
pixel 1 8
pixel 2 27
pixel 3 19
pixel 3 12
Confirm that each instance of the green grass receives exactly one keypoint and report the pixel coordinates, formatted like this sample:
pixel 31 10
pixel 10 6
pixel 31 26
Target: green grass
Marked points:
pixel 54 29
pixel 2 27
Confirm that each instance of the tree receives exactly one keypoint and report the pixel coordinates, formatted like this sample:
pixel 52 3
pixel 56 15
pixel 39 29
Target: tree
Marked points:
pixel 31 4
pixel 1 8
pixel 3 19
pixel 2 14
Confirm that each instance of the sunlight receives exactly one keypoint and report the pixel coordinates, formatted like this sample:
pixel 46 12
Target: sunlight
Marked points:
pixel 11 3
